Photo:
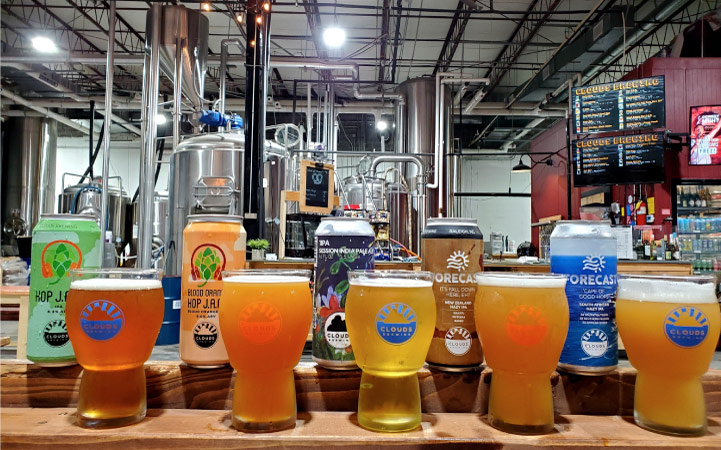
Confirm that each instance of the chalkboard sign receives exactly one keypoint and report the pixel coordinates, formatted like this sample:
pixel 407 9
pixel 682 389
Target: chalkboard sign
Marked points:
pixel 316 187
pixel 637 158
pixel 620 106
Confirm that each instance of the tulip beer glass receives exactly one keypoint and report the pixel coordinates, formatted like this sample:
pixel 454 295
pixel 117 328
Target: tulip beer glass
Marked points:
pixel 390 316
pixel 670 327
pixel 522 321
pixel 113 318
pixel 265 319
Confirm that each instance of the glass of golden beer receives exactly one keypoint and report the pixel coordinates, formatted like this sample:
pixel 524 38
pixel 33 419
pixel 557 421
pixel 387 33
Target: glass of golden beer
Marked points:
pixel 265 320
pixel 390 317
pixel 522 321
pixel 113 318
pixel 670 327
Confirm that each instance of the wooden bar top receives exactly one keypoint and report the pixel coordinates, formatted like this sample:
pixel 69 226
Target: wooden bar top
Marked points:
pixel 33 428
pixel 174 385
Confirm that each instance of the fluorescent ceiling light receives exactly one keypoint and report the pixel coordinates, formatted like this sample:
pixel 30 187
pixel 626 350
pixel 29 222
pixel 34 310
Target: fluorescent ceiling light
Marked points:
pixel 334 37
pixel 44 45
pixel 381 125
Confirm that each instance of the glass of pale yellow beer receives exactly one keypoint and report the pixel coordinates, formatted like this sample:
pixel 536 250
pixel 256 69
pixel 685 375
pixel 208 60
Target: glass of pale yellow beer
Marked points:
pixel 265 319
pixel 113 318
pixel 522 321
pixel 390 316
pixel 669 326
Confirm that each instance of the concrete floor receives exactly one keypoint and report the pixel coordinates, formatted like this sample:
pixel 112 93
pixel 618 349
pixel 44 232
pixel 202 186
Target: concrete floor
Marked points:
pixel 170 352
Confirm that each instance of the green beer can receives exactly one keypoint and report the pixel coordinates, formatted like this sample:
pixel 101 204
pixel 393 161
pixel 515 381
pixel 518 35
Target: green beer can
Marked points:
pixel 61 242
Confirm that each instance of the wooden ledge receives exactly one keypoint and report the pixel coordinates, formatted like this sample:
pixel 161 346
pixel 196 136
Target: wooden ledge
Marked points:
pixel 187 429
pixel 173 385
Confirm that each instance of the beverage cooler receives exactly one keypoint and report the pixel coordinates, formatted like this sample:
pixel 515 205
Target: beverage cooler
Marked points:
pixel 698 223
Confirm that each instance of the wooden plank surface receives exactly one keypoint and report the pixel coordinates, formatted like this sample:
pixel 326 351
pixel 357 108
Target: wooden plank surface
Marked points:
pixel 173 385
pixel 26 428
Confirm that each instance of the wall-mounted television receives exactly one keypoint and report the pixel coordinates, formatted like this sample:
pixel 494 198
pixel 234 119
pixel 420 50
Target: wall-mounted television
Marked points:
pixel 631 159
pixel 705 134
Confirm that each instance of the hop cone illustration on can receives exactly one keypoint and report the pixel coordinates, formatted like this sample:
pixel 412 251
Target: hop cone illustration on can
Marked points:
pixel 208 263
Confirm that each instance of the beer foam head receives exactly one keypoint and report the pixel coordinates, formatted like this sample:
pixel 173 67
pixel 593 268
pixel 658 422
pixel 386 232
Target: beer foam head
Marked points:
pixel 115 284
pixel 524 281
pixel 265 279
pixel 390 282
pixel 665 290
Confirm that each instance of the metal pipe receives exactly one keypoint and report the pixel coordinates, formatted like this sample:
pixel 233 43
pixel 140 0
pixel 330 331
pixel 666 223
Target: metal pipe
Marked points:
pixel 400 126
pixel 104 194
pixel 147 149
pixel 309 115
pixel 477 97
pixel 224 67
pixel 394 158
pixel 177 90
pixel 91 125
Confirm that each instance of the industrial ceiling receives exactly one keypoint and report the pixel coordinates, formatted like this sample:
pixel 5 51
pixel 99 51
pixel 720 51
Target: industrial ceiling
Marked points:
pixel 528 49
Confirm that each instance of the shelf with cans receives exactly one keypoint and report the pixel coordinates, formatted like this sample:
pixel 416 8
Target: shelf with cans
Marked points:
pixel 698 225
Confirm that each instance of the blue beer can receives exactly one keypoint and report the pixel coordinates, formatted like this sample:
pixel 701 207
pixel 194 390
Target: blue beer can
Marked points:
pixel 586 252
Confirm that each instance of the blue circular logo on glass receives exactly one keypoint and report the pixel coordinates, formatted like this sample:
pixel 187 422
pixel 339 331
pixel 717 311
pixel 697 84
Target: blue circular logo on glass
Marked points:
pixel 102 320
pixel 396 323
pixel 686 326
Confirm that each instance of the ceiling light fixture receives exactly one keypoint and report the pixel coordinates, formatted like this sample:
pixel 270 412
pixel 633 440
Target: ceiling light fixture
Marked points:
pixel 44 44
pixel 160 119
pixel 381 125
pixel 521 167
pixel 333 37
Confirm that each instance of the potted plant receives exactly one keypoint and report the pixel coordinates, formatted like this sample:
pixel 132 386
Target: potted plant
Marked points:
pixel 258 247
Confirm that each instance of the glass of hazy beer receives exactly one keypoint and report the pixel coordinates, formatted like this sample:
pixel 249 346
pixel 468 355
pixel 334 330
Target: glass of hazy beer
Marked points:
pixel 391 316
pixel 113 318
pixel 670 327
pixel 265 319
pixel 522 321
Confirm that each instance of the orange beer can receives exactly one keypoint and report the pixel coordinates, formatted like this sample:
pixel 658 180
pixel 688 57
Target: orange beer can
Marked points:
pixel 212 243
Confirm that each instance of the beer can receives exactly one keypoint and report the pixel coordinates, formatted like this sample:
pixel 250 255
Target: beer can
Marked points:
pixel 212 243
pixel 452 249
pixel 60 243
pixel 586 252
pixel 341 244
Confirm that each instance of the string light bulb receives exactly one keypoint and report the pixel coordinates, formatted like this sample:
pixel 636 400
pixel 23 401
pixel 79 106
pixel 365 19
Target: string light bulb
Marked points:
pixel 259 20
pixel 266 6
pixel 252 43
pixel 239 18
pixel 206 6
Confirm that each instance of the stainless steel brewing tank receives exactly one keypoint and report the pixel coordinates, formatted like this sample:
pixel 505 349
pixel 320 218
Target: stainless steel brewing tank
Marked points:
pixel 275 174
pixel 384 195
pixel 28 169
pixel 420 115
pixel 189 28
pixel 206 177
pixel 85 198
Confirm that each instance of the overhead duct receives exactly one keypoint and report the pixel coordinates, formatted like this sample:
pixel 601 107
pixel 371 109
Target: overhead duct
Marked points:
pixel 578 55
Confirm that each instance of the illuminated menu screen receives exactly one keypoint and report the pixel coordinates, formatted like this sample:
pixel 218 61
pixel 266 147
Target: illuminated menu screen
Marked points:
pixel 619 160
pixel 620 106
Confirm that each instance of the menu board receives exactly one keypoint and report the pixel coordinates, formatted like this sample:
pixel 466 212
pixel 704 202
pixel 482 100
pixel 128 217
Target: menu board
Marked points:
pixel 620 106
pixel 630 159
pixel 705 134
pixel 316 187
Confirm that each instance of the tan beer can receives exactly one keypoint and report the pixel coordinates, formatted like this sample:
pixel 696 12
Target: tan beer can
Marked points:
pixel 212 243
pixel 452 248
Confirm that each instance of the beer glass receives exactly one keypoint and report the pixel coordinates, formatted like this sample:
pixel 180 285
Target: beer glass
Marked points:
pixel 522 321
pixel 113 318
pixel 670 327
pixel 265 319
pixel 390 316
